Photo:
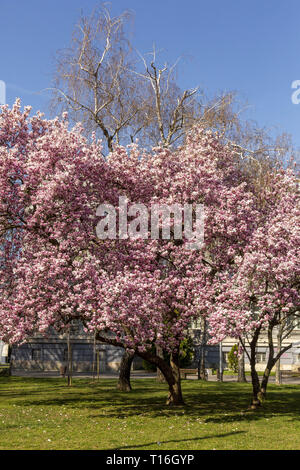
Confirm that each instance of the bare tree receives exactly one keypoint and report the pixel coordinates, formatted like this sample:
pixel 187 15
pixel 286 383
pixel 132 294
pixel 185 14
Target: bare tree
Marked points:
pixel 91 78
pixel 99 81
pixel 169 111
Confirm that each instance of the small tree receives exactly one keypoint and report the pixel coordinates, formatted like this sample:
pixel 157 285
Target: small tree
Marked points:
pixel 241 364
pixel 233 360
pixel 186 352
pixel 264 293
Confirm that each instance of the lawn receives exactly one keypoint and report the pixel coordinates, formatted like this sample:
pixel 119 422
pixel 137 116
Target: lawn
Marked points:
pixel 46 414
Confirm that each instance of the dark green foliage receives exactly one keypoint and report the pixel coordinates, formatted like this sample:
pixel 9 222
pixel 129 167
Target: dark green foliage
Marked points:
pixel 233 360
pixel 186 352
pixel 185 357
pixel 4 370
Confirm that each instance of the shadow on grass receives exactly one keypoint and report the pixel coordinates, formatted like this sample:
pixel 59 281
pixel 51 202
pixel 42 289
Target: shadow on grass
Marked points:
pixel 213 401
pixel 19 387
pixel 193 439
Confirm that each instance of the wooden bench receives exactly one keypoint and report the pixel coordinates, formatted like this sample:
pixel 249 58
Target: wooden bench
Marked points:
pixel 185 372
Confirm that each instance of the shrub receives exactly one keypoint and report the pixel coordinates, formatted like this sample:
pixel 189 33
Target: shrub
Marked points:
pixel 233 360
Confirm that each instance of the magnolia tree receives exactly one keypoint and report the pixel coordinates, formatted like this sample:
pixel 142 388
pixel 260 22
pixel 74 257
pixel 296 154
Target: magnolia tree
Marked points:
pixel 82 238
pixel 264 293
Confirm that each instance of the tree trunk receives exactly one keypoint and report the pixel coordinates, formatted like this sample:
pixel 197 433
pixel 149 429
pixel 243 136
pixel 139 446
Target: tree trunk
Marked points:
pixel 278 375
pixel 201 363
pixel 272 360
pixel 265 379
pixel 270 363
pixel 201 367
pixel 241 366
pixel 220 369
pixel 256 397
pixel 9 351
pixel 260 390
pixel 173 379
pixel 160 376
pixel 70 360
pixel 278 379
pixel 124 374
pixel 171 373
pixel 256 394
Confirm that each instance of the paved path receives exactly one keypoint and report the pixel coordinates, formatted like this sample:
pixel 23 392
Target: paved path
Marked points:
pixel 141 375
pixel 83 375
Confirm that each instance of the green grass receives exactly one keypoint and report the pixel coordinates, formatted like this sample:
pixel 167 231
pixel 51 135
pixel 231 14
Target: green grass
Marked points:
pixel 247 373
pixel 46 414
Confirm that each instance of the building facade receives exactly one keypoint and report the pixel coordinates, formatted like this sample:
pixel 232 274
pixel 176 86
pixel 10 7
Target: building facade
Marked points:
pixel 290 360
pixel 48 354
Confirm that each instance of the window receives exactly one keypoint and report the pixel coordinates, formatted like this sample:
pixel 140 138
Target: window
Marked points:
pixel 260 357
pixel 36 354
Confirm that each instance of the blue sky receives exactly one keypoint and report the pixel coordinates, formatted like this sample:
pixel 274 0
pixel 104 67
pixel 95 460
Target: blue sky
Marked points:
pixel 251 47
